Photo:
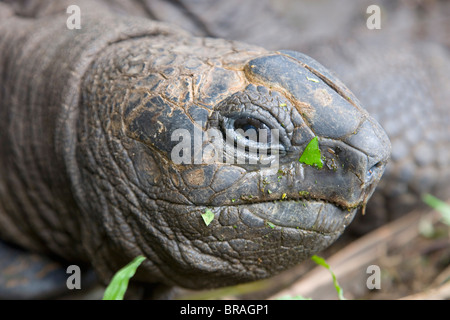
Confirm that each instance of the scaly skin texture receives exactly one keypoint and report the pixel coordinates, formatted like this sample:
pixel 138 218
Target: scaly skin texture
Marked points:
pixel 86 159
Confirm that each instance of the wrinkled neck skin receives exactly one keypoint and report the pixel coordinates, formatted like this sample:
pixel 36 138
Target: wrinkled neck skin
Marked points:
pixel 42 64
pixel 35 124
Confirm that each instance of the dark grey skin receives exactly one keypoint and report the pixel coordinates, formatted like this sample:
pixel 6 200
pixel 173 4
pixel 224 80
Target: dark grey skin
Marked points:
pixel 86 118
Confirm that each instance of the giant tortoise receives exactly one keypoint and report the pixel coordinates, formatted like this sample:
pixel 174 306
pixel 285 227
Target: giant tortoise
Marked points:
pixel 110 136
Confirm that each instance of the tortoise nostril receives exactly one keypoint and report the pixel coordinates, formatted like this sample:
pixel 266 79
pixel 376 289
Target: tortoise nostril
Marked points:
pixel 373 171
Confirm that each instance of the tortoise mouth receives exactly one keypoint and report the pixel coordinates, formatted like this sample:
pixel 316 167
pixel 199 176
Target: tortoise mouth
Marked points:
pixel 308 215
pixel 243 241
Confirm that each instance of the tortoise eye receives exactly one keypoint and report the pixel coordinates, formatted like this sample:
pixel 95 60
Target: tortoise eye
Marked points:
pixel 253 129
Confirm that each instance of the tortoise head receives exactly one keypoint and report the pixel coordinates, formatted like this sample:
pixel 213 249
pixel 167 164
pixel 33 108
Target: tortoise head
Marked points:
pixel 170 130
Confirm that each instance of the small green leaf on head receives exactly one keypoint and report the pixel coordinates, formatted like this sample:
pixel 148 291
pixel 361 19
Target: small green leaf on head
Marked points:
pixel 208 217
pixel 311 155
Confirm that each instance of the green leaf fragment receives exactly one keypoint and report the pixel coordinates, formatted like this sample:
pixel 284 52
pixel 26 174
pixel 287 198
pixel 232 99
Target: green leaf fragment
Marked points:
pixel 311 155
pixel 312 79
pixel 283 105
pixel 119 283
pixel 321 261
pixel 208 217
pixel 270 224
